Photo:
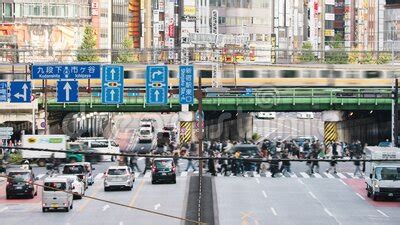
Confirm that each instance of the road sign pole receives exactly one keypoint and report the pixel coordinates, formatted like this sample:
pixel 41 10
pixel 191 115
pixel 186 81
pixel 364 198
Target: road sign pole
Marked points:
pixel 45 107
pixel 395 114
pixel 200 131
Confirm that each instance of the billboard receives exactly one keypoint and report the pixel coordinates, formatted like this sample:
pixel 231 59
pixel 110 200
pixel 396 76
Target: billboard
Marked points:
pixel 189 8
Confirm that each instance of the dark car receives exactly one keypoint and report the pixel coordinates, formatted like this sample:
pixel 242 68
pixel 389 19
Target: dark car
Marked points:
pixel 20 183
pixel 163 170
pixel 247 151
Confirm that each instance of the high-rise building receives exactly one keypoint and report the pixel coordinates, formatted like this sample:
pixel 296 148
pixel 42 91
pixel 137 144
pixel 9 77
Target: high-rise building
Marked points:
pixel 391 26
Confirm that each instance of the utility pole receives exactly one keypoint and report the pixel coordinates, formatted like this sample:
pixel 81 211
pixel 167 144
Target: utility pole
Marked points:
pixel 200 131
pixel 395 114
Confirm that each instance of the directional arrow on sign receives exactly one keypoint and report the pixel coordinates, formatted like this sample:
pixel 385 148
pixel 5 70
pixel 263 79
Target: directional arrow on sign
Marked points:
pixel 157 73
pixel 112 92
pixel 156 94
pixel 112 73
pixel 19 95
pixel 67 88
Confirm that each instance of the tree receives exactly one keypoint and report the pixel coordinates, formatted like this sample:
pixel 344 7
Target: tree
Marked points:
pixel 337 54
pixel 125 55
pixel 384 58
pixel 306 52
pixel 367 58
pixel 87 52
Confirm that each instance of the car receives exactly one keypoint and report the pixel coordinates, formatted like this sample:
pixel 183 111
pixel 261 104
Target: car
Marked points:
pixel 78 187
pixel 266 115
pixel 102 145
pixel 20 182
pixel 57 194
pixel 76 169
pixel 385 144
pixel 121 177
pixel 89 171
pixel 146 134
pixel 163 169
pixel 246 151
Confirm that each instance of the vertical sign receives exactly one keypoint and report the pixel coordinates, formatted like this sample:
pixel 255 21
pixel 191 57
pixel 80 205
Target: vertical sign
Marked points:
pixel 3 91
pixel 112 88
pixel 186 84
pixel 157 85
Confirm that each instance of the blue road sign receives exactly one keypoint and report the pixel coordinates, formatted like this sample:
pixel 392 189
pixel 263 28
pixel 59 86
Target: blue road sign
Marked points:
pixel 20 91
pixel 67 91
pixel 186 84
pixel 77 71
pixel 157 85
pixel 112 88
pixel 3 91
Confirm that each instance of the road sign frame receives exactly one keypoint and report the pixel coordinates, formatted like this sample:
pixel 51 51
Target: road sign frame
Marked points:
pixel 157 85
pixel 112 84
pixel 74 71
pixel 186 84
pixel 15 87
pixel 72 89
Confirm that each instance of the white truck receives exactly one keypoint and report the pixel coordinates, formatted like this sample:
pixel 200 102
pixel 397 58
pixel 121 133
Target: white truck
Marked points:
pixel 384 177
pixel 52 142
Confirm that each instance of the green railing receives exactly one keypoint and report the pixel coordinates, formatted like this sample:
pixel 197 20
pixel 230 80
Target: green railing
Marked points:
pixel 260 99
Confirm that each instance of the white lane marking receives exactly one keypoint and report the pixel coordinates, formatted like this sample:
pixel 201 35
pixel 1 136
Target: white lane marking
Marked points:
pixel 265 194
pixel 3 209
pixel 98 176
pixel 273 211
pixel 184 174
pixel 300 181
pixel 327 212
pixel 383 214
pixel 121 223
pixel 341 176
pixel 317 175
pixel 196 172
pixel 343 182
pixel 105 207
pixel 330 176
pixel 305 175
pixel 293 175
pixel 312 195
pixel 360 196
pixel 257 180
pixel 157 206
pixel 147 174
pixel 257 175
pixel 268 174
pixel 351 175
pixel 40 176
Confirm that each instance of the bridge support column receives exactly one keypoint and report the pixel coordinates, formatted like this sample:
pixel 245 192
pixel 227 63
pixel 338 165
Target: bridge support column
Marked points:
pixel 186 124
pixel 331 119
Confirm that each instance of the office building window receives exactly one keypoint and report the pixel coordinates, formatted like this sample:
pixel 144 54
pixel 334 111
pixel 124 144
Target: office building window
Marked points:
pixel 7 7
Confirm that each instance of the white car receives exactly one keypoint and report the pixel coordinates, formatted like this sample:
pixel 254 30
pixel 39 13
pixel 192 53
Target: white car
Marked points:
pixel 78 187
pixel 120 177
pixel 146 134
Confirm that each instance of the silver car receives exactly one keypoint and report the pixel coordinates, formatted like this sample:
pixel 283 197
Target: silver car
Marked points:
pixel 120 177
pixel 57 194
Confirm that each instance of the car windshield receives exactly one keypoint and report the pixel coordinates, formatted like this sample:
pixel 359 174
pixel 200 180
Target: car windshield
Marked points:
pixel 245 150
pixel 144 132
pixel 99 144
pixel 387 173
pixel 75 169
pixel 52 186
pixel 163 164
pixel 18 177
pixel 116 172
pixel 385 144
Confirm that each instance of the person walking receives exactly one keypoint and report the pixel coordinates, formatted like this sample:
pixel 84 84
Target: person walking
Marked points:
pixel 190 163
pixel 274 165
pixel 332 164
pixel 315 163
pixel 285 168
pixel 211 164
pixel 133 163
pixel 357 164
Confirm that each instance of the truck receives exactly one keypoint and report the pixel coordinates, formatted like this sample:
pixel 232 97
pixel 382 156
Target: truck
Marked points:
pixel 51 142
pixel 384 177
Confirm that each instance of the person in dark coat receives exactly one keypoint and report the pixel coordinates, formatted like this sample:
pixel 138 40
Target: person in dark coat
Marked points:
pixel 211 164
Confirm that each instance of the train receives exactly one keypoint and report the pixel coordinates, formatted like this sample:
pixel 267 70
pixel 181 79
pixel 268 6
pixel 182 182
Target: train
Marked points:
pixel 245 75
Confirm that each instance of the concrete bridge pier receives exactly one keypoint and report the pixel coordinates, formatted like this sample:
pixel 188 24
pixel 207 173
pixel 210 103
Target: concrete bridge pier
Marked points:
pixel 228 125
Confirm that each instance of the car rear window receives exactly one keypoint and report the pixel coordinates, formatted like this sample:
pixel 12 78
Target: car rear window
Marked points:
pixel 73 169
pixel 116 172
pixel 58 185
pixel 17 177
pixel 163 164
pixel 145 132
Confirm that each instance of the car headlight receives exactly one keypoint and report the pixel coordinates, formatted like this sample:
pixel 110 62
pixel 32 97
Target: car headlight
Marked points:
pixel 376 185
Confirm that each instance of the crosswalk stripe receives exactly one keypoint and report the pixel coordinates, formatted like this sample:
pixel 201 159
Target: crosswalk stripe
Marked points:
pixel 304 175
pixel 184 174
pixel 317 175
pixel 351 175
pixel 257 175
pixel 293 175
pixel 147 175
pixel 340 175
pixel 329 175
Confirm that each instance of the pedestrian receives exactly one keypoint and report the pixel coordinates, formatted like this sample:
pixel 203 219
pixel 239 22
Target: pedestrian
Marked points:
pixel 332 164
pixel 357 164
pixel 285 168
pixel 190 163
pixel 211 164
pixel 274 165
pixel 237 164
pixel 133 163
pixel 315 163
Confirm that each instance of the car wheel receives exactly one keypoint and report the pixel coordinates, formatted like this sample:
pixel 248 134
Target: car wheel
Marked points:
pixel 374 197
pixel 174 181
pixel 72 206
pixel 44 209
pixel 8 196
pixel 36 193
pixel 153 182
pixel 31 195
pixel 106 189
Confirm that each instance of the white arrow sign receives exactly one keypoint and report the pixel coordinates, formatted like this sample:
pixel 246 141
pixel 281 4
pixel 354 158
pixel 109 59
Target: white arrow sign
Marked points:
pixel 112 73
pixel 112 93
pixel 157 206
pixel 67 88
pixel 156 94
pixel 19 95
pixel 157 73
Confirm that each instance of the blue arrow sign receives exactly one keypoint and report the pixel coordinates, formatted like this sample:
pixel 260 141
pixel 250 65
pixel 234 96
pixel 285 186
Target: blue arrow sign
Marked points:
pixel 78 71
pixel 67 91
pixel 157 85
pixel 186 84
pixel 3 91
pixel 20 91
pixel 112 88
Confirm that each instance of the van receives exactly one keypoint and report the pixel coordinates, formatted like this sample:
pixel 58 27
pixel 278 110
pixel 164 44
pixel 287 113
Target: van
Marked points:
pixel 78 169
pixel 384 177
pixel 146 135
pixel 57 194
pixel 102 145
